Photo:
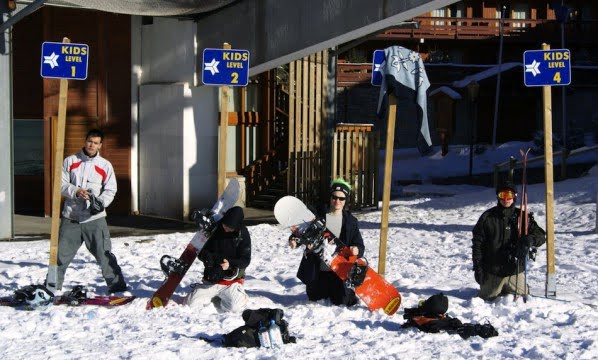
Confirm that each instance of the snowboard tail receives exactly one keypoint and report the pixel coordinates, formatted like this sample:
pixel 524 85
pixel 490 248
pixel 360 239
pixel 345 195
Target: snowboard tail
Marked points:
pixel 372 288
pixel 226 201
pixel 106 301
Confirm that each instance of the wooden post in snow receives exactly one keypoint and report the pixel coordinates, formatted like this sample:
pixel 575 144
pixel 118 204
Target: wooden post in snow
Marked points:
pixel 57 182
pixel 223 131
pixel 388 157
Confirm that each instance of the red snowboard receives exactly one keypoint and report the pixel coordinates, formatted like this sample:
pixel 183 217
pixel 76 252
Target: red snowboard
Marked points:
pixel 375 291
pixel 227 200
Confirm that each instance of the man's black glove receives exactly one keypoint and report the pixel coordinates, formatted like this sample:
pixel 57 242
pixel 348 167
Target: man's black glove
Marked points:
pixel 523 246
pixel 95 205
pixel 479 275
pixel 527 240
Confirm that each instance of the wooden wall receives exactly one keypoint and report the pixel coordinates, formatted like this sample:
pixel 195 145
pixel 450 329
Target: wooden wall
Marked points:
pixel 103 100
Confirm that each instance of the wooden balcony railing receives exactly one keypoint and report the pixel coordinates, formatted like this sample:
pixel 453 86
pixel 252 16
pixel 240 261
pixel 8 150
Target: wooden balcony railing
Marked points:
pixel 461 28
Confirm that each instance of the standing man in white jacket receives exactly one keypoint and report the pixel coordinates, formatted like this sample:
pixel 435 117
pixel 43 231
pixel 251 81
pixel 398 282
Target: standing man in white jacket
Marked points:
pixel 88 186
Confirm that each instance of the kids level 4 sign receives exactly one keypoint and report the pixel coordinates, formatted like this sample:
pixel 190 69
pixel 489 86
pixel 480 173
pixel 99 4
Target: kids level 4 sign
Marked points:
pixel 64 60
pixel 547 67
pixel 225 67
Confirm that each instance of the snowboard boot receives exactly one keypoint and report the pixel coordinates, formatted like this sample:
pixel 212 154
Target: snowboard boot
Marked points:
pixel 118 286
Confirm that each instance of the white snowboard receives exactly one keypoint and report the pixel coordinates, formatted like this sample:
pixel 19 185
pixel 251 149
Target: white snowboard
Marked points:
pixel 290 211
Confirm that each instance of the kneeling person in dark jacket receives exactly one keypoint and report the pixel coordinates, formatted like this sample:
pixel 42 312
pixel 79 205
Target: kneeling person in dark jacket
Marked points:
pixel 320 281
pixel 225 257
pixel 498 252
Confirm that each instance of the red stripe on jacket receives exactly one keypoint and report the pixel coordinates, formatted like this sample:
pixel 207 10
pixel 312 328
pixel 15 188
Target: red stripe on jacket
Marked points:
pixel 101 171
pixel 74 166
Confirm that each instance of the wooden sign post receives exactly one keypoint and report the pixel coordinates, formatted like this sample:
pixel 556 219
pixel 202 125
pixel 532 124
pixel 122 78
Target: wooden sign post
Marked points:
pixel 57 182
pixel 548 174
pixel 390 140
pixel 224 95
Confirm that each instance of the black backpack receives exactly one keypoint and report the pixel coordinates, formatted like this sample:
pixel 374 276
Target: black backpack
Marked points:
pixel 430 316
pixel 246 335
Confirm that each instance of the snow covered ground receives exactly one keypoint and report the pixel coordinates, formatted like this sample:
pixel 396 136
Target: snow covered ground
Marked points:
pixel 429 250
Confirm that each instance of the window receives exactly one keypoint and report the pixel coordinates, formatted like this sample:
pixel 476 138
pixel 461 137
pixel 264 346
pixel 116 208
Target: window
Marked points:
pixel 520 11
pixel 440 13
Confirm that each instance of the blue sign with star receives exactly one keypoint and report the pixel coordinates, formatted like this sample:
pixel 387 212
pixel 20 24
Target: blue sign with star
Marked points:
pixel 378 59
pixel 64 60
pixel 225 67
pixel 547 67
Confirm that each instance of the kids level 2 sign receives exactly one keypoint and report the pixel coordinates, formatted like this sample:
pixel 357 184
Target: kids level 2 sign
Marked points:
pixel 547 67
pixel 225 67
pixel 64 60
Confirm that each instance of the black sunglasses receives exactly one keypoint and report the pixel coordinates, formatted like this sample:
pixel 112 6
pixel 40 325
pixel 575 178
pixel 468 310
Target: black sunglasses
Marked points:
pixel 338 198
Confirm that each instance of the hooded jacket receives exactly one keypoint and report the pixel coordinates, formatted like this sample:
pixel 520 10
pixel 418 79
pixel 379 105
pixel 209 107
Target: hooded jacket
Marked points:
pixel 94 174
pixel 494 239
pixel 234 246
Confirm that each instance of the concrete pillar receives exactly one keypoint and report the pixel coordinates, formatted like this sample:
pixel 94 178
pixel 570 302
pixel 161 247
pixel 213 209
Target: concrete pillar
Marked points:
pixel 6 158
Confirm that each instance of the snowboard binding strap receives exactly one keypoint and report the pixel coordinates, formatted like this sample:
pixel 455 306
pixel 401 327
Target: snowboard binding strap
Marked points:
pixel 204 219
pixel 172 265
pixel 76 296
pixel 357 274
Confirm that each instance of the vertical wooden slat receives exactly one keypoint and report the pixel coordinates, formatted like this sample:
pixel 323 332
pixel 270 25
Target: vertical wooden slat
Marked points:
pixel 311 121
pixel 366 166
pixel 291 132
pixel 318 122
pixel 360 169
pixel 347 172
pixel 298 117
pixel 355 162
pixel 334 170
pixel 341 156
pixel 304 117
pixel 242 126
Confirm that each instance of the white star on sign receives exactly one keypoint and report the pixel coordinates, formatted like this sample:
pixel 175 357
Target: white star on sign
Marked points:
pixel 533 68
pixel 51 60
pixel 212 66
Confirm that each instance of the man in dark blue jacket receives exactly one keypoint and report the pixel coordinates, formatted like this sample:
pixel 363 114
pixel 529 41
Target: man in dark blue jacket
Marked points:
pixel 320 281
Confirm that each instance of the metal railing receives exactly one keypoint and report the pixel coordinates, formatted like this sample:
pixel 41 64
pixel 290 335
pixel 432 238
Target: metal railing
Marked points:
pixel 513 163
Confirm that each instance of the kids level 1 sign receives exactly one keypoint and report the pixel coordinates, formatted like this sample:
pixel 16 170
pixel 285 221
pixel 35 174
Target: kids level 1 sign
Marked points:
pixel 547 67
pixel 225 67
pixel 64 60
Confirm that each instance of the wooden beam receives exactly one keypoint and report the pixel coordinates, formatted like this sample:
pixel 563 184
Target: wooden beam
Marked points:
pixel 224 95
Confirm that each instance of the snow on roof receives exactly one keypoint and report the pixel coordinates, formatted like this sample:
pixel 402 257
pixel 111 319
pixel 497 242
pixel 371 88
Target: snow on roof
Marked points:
pixel 485 74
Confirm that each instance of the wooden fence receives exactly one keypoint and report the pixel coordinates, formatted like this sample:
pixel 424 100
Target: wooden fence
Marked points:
pixel 307 123
pixel 355 158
